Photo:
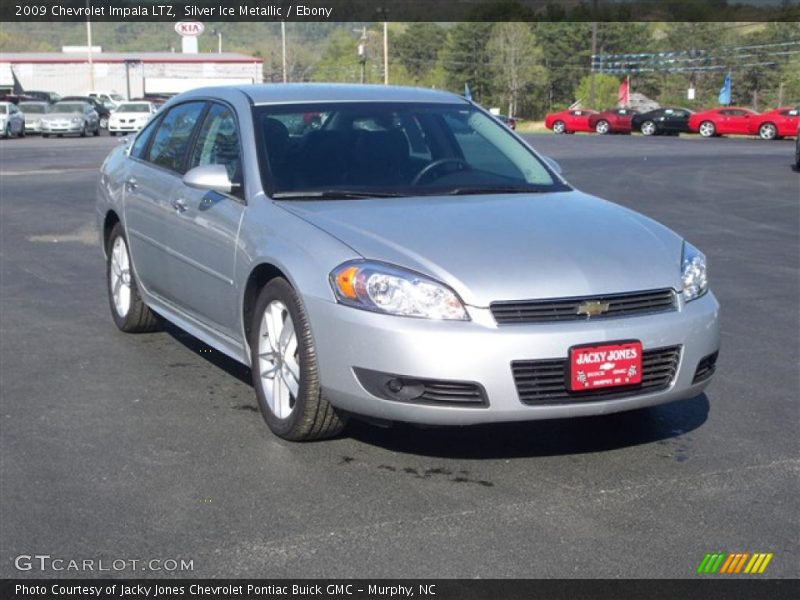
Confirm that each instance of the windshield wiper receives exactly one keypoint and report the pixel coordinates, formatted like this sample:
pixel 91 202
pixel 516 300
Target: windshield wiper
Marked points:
pixel 334 194
pixel 499 189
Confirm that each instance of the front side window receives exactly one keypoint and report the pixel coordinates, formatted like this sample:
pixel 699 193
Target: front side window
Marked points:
pixel 171 139
pixel 393 149
pixel 218 142
pixel 140 143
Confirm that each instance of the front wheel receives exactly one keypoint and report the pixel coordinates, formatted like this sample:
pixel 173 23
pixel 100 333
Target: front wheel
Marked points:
pixel 97 130
pixel 129 311
pixel 708 129
pixel 559 127
pixel 602 127
pixel 284 368
pixel 22 131
pixel 768 131
pixel 648 128
pixel 83 130
pixel 104 122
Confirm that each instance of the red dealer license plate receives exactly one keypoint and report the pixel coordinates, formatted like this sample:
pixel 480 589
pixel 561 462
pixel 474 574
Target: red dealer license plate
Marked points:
pixel 605 365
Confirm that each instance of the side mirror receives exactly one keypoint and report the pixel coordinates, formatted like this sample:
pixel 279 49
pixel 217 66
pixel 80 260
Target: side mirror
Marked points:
pixel 553 164
pixel 210 177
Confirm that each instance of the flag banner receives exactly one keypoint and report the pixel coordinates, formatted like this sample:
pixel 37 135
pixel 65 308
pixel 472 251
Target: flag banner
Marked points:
pixel 725 91
pixel 623 96
pixel 393 10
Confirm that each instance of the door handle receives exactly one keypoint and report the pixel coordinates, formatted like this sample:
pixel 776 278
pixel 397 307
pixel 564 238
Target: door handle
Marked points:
pixel 179 205
pixel 130 183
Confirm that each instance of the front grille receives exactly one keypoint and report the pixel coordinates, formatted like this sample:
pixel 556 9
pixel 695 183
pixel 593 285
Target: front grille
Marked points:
pixel 566 309
pixel 546 381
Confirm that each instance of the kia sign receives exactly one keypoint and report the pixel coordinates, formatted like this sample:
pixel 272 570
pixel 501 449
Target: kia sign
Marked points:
pixel 189 28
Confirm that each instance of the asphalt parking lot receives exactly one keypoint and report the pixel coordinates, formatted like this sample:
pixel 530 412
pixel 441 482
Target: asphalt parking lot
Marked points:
pixel 141 447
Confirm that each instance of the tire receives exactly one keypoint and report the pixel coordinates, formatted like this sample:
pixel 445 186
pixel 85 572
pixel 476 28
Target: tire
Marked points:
pixel 112 133
pixel 768 131
pixel 22 131
pixel 83 130
pixel 648 128
pixel 7 132
pixel 707 129
pixel 103 122
pixel 559 127
pixel 797 153
pixel 128 310
pixel 602 127
pixel 97 131
pixel 299 414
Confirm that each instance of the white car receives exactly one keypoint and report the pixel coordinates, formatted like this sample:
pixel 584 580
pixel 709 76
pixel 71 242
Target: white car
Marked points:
pixel 111 100
pixel 130 117
pixel 12 121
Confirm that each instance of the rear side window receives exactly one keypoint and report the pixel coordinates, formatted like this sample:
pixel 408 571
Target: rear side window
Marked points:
pixel 171 138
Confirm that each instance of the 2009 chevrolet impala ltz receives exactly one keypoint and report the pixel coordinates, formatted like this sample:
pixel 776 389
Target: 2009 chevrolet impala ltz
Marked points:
pixel 399 254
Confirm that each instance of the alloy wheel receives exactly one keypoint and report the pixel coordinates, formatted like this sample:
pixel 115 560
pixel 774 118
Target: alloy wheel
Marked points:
pixel 648 128
pixel 767 131
pixel 602 127
pixel 707 129
pixel 558 127
pixel 120 277
pixel 279 359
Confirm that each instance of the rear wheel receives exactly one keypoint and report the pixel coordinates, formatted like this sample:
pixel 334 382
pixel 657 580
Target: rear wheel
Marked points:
pixel 708 129
pixel 284 367
pixel 768 131
pixel 129 311
pixel 648 128
pixel 559 127
pixel 83 130
pixel 602 127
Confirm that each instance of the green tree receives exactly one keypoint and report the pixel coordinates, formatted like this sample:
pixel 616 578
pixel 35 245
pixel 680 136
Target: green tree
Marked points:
pixel 467 60
pixel 417 48
pixel 516 61
pixel 606 89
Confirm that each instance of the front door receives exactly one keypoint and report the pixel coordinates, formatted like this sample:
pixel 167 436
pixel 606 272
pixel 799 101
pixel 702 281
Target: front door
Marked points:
pixel 204 225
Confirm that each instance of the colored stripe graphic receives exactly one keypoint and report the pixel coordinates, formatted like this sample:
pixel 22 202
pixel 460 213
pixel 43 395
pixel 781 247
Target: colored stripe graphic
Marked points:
pixel 734 563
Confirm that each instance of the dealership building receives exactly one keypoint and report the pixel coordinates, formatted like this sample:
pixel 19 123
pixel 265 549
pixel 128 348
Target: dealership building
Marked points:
pixel 76 73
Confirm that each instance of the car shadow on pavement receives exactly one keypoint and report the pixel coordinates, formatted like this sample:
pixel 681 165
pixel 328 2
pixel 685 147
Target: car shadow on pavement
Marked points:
pixel 216 358
pixel 552 437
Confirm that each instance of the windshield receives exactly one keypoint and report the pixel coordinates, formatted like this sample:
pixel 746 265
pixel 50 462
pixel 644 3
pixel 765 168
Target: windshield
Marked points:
pixel 3 109
pixel 134 108
pixel 68 107
pixel 33 108
pixel 374 149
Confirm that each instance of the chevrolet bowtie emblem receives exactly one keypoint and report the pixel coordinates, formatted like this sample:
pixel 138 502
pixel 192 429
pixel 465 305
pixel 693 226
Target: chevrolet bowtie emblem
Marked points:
pixel 592 308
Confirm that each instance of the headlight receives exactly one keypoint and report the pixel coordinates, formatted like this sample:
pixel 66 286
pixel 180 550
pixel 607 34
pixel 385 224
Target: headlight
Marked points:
pixel 383 288
pixel 76 120
pixel 693 270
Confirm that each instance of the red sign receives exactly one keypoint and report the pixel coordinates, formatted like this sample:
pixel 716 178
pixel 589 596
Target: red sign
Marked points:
pixel 189 28
pixel 605 365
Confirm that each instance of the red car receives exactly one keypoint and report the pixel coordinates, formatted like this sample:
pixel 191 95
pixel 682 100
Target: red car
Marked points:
pixel 721 121
pixel 775 124
pixel 570 121
pixel 612 120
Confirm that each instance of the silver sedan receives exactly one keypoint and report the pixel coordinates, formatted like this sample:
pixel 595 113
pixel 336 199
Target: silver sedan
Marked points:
pixel 398 254
pixel 70 117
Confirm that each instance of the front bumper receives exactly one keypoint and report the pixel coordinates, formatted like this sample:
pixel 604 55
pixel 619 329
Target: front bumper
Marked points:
pixel 61 128
pixel 479 351
pixel 124 127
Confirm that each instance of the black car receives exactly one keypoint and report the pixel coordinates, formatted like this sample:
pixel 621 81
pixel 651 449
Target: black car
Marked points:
pixel 98 106
pixel 797 151
pixel 662 121
pixel 50 97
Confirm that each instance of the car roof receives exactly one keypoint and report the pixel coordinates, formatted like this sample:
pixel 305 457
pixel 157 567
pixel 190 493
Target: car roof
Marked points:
pixel 280 93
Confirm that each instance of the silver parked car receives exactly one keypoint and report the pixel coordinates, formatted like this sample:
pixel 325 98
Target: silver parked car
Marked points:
pixel 34 110
pixel 70 117
pixel 399 254
pixel 12 121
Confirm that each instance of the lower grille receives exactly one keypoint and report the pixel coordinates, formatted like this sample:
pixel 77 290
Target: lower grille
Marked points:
pixel 705 368
pixel 546 381
pixel 567 309
pixel 401 388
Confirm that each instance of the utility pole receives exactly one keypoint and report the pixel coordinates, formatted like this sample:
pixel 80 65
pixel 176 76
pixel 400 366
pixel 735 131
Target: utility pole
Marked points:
pixel 594 53
pixel 89 46
pixel 385 53
pixel 283 50
pixel 362 54
pixel 218 33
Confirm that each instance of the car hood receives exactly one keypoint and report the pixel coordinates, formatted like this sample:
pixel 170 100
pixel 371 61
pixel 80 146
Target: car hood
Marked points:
pixel 62 115
pixel 508 247
pixel 129 115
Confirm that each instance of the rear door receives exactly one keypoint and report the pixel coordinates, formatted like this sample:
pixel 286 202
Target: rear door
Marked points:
pixel 157 158
pixel 204 225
